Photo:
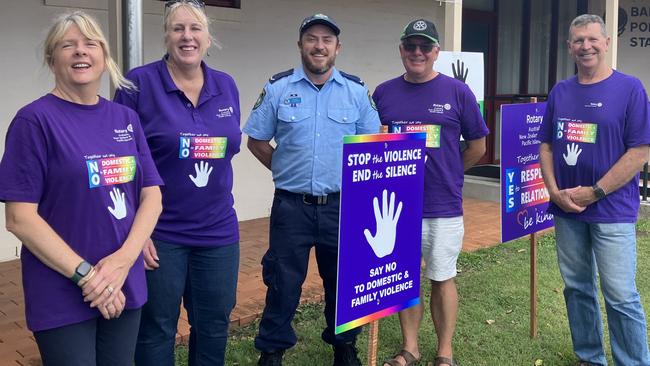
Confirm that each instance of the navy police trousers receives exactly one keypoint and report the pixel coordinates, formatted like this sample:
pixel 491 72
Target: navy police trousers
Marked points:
pixel 298 223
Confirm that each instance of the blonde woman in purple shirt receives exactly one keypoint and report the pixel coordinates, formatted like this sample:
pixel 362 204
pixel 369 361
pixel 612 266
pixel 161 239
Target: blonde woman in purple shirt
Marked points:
pixel 190 115
pixel 81 194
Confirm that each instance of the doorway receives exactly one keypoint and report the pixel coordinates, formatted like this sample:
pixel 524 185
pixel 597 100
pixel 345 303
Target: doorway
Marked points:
pixel 479 35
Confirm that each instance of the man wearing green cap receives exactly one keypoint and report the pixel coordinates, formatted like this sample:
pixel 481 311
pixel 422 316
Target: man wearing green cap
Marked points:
pixel 424 100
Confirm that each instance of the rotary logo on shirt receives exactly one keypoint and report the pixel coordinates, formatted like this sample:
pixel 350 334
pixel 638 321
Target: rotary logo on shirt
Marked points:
pixel 293 100
pixel 106 171
pixel 439 108
pixel 225 112
pixel 202 147
pixel 594 105
pixel 123 135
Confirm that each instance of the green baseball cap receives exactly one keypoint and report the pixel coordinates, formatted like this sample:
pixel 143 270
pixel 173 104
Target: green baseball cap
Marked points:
pixel 422 28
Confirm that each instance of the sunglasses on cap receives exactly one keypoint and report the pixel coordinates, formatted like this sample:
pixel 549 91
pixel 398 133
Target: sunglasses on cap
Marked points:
pixel 195 3
pixel 424 47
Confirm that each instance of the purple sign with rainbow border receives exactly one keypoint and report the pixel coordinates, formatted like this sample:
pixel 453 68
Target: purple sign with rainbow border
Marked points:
pixel 524 198
pixel 380 227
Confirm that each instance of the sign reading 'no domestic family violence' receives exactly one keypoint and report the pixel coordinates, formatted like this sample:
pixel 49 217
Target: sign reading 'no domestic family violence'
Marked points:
pixel 380 227
pixel 524 198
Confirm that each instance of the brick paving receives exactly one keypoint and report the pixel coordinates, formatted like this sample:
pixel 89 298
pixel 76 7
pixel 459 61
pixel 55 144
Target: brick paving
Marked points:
pixel 17 346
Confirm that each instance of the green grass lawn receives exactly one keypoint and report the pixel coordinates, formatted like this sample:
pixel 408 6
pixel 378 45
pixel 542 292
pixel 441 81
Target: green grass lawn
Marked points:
pixel 493 285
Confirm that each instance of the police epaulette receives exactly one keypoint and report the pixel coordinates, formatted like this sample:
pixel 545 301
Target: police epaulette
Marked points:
pixel 354 78
pixel 280 75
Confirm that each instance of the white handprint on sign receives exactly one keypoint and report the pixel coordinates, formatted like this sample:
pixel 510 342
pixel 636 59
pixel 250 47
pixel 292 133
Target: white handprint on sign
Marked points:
pixel 119 210
pixel 202 174
pixel 383 242
pixel 572 153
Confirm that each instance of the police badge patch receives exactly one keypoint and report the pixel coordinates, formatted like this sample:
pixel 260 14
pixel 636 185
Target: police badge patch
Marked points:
pixel 260 99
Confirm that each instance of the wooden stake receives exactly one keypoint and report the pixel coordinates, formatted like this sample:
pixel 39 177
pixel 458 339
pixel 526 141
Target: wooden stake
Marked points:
pixel 533 285
pixel 373 339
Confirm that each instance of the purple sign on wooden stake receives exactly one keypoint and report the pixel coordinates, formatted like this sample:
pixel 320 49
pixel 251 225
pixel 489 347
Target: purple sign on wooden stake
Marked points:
pixel 524 198
pixel 380 227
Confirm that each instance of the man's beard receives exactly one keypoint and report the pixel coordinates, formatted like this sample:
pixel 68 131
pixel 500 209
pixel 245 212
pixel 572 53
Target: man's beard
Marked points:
pixel 313 68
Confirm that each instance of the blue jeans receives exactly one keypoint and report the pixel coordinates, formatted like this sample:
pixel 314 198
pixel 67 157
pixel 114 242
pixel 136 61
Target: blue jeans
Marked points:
pixel 295 228
pixel 206 279
pixel 94 342
pixel 609 250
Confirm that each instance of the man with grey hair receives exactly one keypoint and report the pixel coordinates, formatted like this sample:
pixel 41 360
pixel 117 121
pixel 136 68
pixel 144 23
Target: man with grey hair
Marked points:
pixel 405 104
pixel 595 138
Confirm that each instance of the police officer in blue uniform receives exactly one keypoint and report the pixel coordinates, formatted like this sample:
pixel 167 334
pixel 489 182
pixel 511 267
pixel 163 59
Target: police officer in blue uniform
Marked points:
pixel 307 110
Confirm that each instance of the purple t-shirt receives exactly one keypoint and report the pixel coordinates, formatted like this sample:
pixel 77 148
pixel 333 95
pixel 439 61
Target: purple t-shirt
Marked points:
pixel 193 150
pixel 84 165
pixel 445 109
pixel 589 128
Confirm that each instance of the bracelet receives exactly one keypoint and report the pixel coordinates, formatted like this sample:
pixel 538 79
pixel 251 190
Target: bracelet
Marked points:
pixel 87 278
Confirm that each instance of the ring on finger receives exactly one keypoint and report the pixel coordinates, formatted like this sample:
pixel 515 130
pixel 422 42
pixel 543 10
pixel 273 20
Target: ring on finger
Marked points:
pixel 110 289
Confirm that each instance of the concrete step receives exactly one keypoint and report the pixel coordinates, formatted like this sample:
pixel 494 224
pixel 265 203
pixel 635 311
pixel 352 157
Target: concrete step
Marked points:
pixel 483 188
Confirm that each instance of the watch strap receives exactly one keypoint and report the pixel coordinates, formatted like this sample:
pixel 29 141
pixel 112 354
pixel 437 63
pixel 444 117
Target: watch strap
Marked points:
pixel 81 271
pixel 76 277
pixel 599 192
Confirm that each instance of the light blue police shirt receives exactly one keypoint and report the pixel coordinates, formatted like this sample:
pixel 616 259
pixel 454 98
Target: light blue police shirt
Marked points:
pixel 308 126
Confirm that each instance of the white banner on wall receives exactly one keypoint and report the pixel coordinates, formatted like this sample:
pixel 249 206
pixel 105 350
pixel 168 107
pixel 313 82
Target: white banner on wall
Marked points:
pixel 634 39
pixel 465 66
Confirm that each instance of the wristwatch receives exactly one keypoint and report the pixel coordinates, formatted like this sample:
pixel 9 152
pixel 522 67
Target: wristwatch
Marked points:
pixel 599 192
pixel 81 271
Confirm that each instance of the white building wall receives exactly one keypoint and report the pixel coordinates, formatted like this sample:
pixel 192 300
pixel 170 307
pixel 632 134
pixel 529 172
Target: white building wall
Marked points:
pixel 634 42
pixel 258 41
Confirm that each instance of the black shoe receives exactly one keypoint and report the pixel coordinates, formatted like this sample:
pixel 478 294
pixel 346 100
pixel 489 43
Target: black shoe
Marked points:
pixel 345 354
pixel 271 359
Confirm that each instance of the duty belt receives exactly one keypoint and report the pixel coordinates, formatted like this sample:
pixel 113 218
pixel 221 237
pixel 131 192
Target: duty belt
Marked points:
pixel 310 199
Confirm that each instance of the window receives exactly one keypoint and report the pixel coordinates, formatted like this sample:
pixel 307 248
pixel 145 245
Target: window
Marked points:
pixel 236 4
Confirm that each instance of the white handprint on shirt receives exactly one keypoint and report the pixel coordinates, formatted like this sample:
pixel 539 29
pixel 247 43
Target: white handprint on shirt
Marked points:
pixel 383 242
pixel 119 210
pixel 572 153
pixel 202 174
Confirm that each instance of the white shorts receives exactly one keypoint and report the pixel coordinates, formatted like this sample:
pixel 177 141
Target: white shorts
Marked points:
pixel 442 240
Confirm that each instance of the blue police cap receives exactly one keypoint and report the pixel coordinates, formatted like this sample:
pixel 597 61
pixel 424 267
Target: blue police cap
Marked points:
pixel 319 19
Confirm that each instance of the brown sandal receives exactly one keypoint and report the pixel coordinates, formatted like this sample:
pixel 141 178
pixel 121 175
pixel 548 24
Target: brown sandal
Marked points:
pixel 438 361
pixel 406 355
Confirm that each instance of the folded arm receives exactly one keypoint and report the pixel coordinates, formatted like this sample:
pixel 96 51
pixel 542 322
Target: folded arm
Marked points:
pixel 617 176
pixel 114 268
pixel 262 150
pixel 562 198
